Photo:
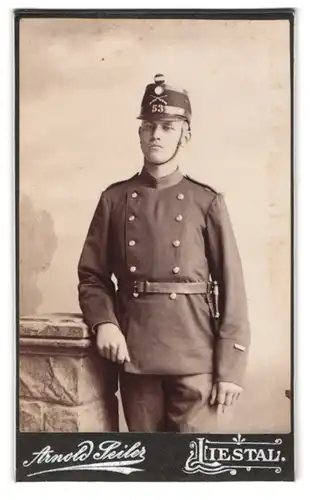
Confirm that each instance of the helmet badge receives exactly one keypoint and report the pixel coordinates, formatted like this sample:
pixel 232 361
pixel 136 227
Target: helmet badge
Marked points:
pixel 158 90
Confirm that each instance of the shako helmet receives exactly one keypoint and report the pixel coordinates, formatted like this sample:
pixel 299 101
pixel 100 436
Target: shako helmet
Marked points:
pixel 164 102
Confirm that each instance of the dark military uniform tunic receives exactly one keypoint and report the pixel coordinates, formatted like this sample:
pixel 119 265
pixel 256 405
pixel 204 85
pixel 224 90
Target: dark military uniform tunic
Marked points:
pixel 168 230
pixel 162 239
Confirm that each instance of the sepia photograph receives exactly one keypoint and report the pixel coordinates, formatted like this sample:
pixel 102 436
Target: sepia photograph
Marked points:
pixel 155 226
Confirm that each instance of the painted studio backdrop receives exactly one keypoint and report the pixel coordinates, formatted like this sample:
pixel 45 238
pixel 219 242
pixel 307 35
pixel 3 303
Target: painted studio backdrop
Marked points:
pixel 81 84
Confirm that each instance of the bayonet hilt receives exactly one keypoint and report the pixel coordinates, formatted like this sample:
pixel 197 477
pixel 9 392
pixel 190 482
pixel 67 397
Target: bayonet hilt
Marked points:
pixel 213 301
pixel 216 299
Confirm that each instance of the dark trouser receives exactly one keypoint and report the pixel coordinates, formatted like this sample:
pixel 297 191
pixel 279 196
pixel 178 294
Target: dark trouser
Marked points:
pixel 155 403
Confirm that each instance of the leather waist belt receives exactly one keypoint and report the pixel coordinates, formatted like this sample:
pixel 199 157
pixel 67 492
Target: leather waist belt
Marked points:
pixel 160 287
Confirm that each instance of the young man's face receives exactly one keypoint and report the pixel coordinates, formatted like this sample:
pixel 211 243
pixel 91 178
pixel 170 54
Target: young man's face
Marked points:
pixel 160 139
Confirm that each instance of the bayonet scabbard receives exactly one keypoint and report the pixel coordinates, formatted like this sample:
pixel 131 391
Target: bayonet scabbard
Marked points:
pixel 213 302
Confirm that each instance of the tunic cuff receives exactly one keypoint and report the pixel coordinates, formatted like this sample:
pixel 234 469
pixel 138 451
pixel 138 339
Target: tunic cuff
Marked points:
pixel 230 361
pixel 94 327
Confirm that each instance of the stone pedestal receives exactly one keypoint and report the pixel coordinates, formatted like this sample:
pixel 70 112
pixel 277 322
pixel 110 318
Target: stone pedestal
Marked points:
pixel 64 385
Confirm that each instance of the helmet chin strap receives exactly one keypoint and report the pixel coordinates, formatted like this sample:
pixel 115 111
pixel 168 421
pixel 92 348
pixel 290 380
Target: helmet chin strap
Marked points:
pixel 175 153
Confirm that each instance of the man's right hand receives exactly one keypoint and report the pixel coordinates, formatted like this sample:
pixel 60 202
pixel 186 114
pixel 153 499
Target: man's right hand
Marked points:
pixel 111 343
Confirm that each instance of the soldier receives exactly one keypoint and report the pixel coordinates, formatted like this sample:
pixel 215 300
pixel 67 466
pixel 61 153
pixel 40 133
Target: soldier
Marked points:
pixel 182 350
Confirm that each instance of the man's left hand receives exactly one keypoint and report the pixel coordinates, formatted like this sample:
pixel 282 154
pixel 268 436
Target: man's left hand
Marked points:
pixel 225 394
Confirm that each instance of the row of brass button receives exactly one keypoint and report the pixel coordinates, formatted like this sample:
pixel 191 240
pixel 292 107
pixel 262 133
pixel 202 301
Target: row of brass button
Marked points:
pixel 178 218
pixel 180 196
pixel 175 243
pixel 175 270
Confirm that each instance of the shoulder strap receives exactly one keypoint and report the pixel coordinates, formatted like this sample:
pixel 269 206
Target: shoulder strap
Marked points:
pixel 122 182
pixel 206 186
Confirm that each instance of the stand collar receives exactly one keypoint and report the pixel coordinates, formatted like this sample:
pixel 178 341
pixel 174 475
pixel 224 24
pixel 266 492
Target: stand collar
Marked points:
pixel 162 182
